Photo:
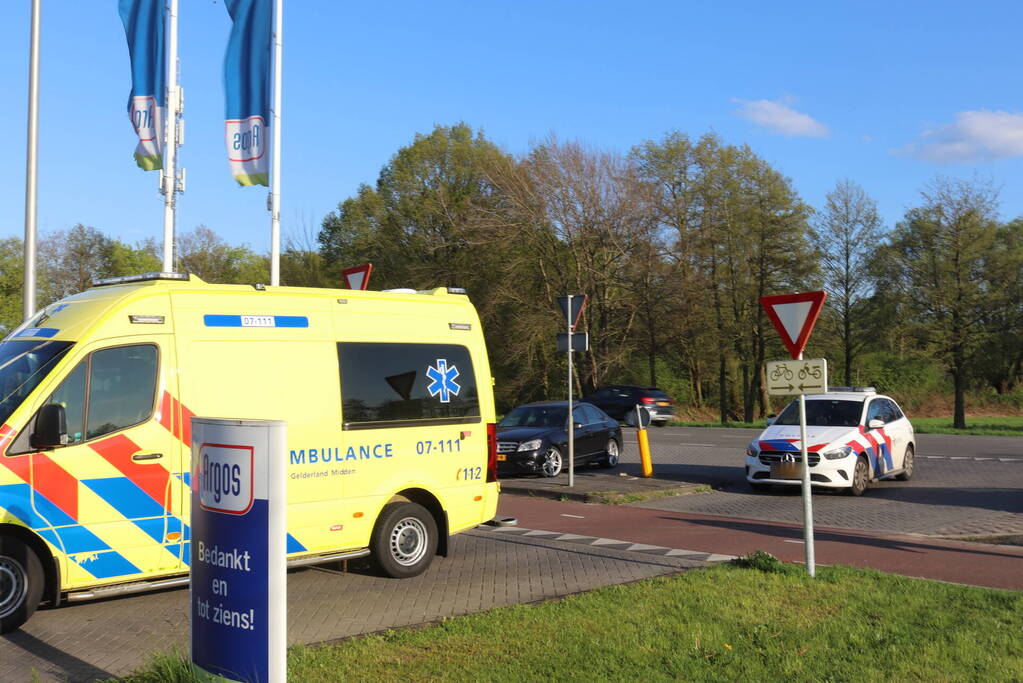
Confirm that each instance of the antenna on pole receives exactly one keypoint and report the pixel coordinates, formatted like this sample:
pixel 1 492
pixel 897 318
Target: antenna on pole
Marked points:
pixel 275 132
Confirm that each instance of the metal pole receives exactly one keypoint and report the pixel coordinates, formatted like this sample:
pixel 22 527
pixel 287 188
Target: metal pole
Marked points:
pixel 571 418
pixel 32 168
pixel 169 177
pixel 807 507
pixel 275 131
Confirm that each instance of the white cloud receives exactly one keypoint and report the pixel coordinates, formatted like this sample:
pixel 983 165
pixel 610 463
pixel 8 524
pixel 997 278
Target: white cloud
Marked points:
pixel 974 136
pixel 778 117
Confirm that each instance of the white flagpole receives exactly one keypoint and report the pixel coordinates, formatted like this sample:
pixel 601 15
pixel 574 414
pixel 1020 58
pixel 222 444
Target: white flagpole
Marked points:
pixel 275 131
pixel 32 168
pixel 169 176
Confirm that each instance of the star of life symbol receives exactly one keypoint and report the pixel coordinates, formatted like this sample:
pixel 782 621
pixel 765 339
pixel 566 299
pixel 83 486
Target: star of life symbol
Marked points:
pixel 443 384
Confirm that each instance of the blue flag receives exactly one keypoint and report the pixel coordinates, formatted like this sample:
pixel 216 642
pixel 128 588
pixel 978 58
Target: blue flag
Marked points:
pixel 143 26
pixel 247 89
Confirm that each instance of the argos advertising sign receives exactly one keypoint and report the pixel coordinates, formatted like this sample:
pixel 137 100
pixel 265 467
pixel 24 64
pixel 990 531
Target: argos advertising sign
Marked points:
pixel 239 531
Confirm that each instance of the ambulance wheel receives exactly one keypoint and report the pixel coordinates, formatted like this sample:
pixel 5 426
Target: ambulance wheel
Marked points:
pixel 404 540
pixel 907 464
pixel 21 583
pixel 860 477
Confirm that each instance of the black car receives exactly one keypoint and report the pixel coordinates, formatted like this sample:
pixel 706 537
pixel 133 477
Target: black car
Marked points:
pixel 618 400
pixel 534 438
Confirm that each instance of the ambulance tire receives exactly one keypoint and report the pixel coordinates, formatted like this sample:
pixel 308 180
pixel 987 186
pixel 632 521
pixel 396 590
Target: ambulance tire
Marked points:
pixel 404 540
pixel 21 583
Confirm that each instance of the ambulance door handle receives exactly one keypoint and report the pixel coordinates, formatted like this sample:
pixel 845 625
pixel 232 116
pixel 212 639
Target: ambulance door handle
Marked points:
pixel 146 456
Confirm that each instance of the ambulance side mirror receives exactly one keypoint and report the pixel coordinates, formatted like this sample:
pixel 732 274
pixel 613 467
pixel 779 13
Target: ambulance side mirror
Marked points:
pixel 50 427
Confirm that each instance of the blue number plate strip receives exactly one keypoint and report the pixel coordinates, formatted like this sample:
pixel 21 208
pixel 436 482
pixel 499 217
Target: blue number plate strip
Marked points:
pixel 256 321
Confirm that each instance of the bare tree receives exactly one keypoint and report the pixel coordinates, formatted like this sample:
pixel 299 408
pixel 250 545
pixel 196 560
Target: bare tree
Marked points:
pixel 847 231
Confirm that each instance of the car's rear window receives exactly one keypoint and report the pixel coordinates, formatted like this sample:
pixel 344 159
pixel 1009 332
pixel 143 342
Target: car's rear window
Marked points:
pixel 823 413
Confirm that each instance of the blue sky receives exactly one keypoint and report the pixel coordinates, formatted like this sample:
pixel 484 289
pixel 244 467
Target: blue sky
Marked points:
pixel 888 94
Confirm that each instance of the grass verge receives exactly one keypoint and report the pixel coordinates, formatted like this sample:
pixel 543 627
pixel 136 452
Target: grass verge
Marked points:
pixel 975 426
pixel 757 619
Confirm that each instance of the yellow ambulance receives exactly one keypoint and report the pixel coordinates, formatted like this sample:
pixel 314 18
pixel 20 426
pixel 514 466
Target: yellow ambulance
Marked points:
pixel 387 395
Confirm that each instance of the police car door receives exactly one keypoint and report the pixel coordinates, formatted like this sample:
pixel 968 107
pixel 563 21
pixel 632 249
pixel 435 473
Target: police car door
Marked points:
pixel 123 461
pixel 879 439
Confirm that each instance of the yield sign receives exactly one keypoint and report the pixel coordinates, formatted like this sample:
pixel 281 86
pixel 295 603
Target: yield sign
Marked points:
pixel 578 304
pixel 357 277
pixel 794 316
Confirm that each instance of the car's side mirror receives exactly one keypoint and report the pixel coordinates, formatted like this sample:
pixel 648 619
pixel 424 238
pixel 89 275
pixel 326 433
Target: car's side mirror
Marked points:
pixel 771 418
pixel 875 424
pixel 50 427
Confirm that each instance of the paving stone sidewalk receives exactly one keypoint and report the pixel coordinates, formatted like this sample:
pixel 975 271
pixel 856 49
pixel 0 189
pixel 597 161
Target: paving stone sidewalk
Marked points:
pixel 486 569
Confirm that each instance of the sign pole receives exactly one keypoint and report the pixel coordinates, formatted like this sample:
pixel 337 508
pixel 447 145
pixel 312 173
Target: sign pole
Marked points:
pixel 169 176
pixel 807 506
pixel 275 155
pixel 571 418
pixel 32 168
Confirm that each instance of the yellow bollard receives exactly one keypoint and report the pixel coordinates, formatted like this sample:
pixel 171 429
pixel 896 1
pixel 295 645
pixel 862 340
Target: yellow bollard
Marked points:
pixel 644 452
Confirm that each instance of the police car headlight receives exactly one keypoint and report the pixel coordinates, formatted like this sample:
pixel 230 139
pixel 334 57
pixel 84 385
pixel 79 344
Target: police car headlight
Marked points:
pixel 752 450
pixel 839 453
pixel 530 445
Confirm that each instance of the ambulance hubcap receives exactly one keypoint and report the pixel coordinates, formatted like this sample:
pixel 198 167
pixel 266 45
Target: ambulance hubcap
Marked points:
pixel 13 585
pixel 408 541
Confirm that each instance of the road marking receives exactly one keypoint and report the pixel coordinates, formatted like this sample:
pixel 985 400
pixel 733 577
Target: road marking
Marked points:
pixel 789 540
pixel 959 458
pixel 573 516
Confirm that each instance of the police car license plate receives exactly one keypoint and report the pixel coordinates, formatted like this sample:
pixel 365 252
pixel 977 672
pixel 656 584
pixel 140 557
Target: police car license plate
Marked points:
pixel 787 470
pixel 502 456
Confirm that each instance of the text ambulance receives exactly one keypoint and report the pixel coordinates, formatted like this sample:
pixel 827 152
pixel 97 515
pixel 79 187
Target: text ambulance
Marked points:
pixel 387 395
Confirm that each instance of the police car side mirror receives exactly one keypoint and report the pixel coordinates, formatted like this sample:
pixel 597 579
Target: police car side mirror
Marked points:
pixel 771 418
pixel 875 424
pixel 50 427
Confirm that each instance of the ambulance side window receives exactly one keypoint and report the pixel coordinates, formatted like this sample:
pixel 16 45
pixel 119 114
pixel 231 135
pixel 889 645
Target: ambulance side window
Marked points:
pixel 71 395
pixel 399 385
pixel 110 390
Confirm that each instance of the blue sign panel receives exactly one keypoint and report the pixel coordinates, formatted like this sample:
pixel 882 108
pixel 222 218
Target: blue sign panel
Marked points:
pixel 237 549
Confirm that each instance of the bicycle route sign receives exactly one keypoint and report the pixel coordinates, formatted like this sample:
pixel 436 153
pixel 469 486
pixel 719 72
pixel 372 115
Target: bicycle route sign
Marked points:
pixel 788 377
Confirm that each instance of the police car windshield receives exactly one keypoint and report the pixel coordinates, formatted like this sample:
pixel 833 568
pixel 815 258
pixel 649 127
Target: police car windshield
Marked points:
pixel 823 413
pixel 535 416
pixel 23 365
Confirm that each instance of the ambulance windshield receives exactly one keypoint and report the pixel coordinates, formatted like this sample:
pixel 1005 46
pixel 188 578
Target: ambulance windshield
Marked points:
pixel 23 365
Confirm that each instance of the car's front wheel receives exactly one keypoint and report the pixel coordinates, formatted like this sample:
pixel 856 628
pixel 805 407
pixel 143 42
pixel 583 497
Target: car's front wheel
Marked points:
pixel 552 462
pixel 860 477
pixel 21 583
pixel 612 457
pixel 907 465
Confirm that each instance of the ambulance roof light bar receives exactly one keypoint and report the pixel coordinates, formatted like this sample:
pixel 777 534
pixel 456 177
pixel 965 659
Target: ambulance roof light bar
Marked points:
pixel 143 277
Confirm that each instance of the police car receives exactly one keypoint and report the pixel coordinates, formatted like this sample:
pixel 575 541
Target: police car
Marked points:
pixel 854 436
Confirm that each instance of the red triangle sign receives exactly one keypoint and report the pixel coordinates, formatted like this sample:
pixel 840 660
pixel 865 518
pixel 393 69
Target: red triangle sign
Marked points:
pixel 357 277
pixel 794 316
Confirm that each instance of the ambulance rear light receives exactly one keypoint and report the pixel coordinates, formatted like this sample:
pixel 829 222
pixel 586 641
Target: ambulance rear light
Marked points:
pixel 491 452
pixel 143 277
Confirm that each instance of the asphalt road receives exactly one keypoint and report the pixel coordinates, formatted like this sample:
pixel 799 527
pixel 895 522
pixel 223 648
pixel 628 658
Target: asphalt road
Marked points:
pixel 963 485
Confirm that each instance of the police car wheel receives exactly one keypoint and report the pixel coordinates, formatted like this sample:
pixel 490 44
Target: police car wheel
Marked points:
pixel 21 583
pixel 860 478
pixel 404 540
pixel 907 464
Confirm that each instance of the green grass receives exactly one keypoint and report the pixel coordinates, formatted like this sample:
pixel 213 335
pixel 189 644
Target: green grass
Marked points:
pixel 979 426
pixel 758 620
pixel 975 426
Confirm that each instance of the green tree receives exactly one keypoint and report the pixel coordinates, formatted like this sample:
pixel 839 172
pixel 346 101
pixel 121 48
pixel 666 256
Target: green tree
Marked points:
pixel 12 281
pixel 207 255
pixel 847 231
pixel 939 260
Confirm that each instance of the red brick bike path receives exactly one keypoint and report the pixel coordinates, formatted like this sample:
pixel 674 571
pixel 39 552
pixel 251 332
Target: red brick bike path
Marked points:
pixel 995 566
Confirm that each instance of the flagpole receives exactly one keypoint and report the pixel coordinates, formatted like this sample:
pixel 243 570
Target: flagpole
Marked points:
pixel 275 131
pixel 32 168
pixel 169 177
